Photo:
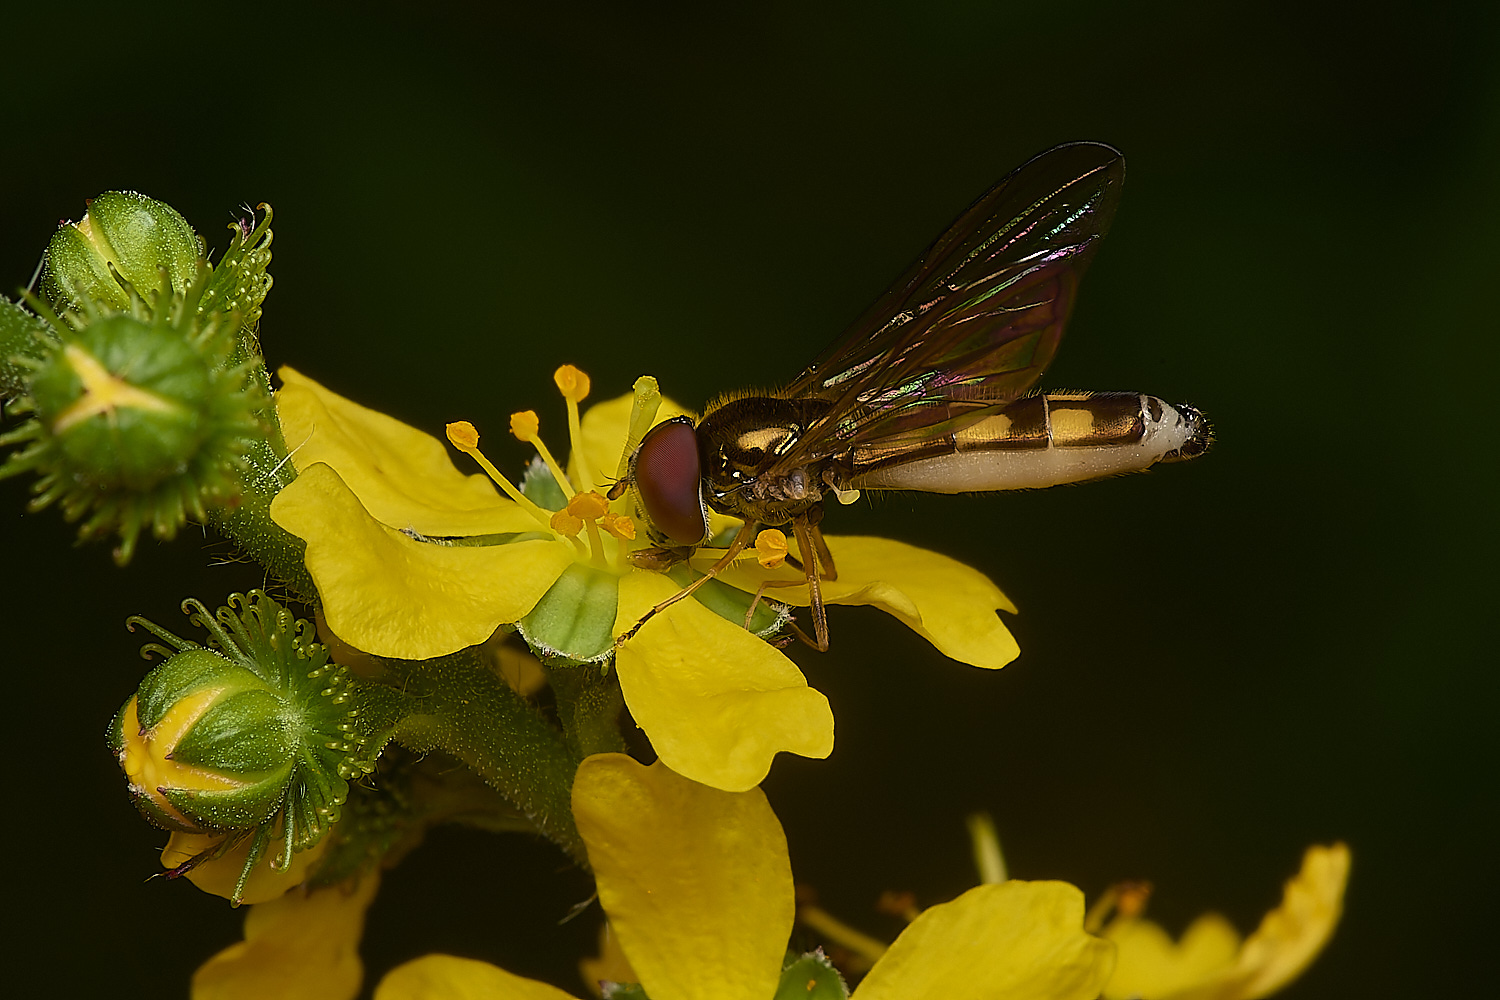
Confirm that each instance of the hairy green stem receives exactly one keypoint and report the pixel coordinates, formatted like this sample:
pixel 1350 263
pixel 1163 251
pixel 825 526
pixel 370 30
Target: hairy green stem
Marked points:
pixel 248 522
pixel 588 705
pixel 459 705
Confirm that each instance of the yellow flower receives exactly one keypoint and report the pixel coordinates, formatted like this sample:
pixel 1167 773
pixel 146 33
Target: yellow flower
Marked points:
pixel 381 506
pixel 303 946
pixel 698 890
pixel 1210 962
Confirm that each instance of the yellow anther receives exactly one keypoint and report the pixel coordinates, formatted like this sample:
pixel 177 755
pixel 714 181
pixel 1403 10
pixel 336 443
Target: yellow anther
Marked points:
pixel 572 383
pixel 525 425
pixel 1133 897
pixel 770 548
pixel 463 436
pixel 619 525
pixel 589 506
pixel 1126 900
pixel 566 523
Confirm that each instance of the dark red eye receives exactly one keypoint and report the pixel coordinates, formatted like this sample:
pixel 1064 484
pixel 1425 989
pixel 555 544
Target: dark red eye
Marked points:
pixel 666 475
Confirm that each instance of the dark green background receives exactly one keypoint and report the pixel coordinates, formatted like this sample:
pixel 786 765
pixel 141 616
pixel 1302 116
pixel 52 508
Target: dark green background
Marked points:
pixel 1223 662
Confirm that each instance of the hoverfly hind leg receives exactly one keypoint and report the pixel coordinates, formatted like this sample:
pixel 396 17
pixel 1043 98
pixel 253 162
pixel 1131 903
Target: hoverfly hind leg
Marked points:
pixel 812 552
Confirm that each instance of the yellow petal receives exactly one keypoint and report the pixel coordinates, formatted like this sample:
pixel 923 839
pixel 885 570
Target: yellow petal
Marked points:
pixel 1152 964
pixel 403 476
pixel 1290 936
pixel 388 594
pixel 941 599
pixel 696 881
pixel 445 977
pixel 1288 939
pixel 303 946
pixel 716 702
pixel 1006 941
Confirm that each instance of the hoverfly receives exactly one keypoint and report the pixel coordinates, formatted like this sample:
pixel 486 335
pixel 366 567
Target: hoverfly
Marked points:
pixel 929 390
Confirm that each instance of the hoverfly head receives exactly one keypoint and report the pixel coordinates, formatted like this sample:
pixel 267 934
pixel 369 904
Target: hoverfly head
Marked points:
pixel 668 480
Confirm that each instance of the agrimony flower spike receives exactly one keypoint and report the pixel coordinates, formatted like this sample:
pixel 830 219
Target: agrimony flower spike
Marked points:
pixel 255 736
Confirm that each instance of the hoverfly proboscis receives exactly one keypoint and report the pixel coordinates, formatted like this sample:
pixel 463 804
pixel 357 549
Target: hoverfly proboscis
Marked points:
pixel 929 390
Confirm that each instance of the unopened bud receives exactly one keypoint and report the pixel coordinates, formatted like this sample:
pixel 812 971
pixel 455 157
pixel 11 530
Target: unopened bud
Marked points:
pixel 145 241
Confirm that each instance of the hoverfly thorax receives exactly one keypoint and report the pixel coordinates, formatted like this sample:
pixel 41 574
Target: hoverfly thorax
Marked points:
pixel 741 445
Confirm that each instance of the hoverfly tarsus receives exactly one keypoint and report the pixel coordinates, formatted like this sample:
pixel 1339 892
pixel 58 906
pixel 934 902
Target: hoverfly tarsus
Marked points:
pixel 929 390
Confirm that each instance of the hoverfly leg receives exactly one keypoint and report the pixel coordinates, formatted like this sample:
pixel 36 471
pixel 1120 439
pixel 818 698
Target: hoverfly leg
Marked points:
pixel 809 550
pixel 767 585
pixel 825 557
pixel 741 542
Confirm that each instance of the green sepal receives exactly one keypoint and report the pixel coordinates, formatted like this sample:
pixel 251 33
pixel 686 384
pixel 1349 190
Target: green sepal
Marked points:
pixel 539 486
pixel 624 991
pixel 811 977
pixel 248 733
pixel 575 618
pixel 145 241
pixel 181 675
pixel 25 340
pixel 233 808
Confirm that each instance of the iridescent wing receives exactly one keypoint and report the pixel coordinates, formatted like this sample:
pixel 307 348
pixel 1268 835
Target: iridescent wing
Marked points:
pixel 976 319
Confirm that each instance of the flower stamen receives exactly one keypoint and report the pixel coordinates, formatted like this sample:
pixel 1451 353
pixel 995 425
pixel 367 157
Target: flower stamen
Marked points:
pixel 770 548
pixel 642 414
pixel 985 843
pixel 465 437
pixel 574 386
pixel 1128 899
pixel 868 949
pixel 525 426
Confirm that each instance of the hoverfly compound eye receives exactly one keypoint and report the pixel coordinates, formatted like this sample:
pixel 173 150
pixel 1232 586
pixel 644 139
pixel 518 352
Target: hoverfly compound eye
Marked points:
pixel 667 479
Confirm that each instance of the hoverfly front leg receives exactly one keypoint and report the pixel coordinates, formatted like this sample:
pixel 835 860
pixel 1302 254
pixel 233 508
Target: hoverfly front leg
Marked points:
pixel 741 542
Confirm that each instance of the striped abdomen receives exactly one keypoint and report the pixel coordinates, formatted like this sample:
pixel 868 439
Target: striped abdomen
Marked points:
pixel 1040 440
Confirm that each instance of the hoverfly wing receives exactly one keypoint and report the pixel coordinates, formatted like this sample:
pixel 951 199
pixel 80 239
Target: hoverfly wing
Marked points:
pixel 977 318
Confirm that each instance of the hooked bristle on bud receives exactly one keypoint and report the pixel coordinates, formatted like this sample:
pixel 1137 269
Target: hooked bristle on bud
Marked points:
pixel 255 735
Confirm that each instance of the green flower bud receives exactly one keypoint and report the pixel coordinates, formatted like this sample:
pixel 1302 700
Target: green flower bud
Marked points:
pixel 257 737
pixel 145 241
pixel 140 419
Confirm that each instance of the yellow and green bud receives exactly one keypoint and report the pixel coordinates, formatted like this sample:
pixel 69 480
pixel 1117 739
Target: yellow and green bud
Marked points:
pixel 254 736
pixel 123 237
pixel 206 744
